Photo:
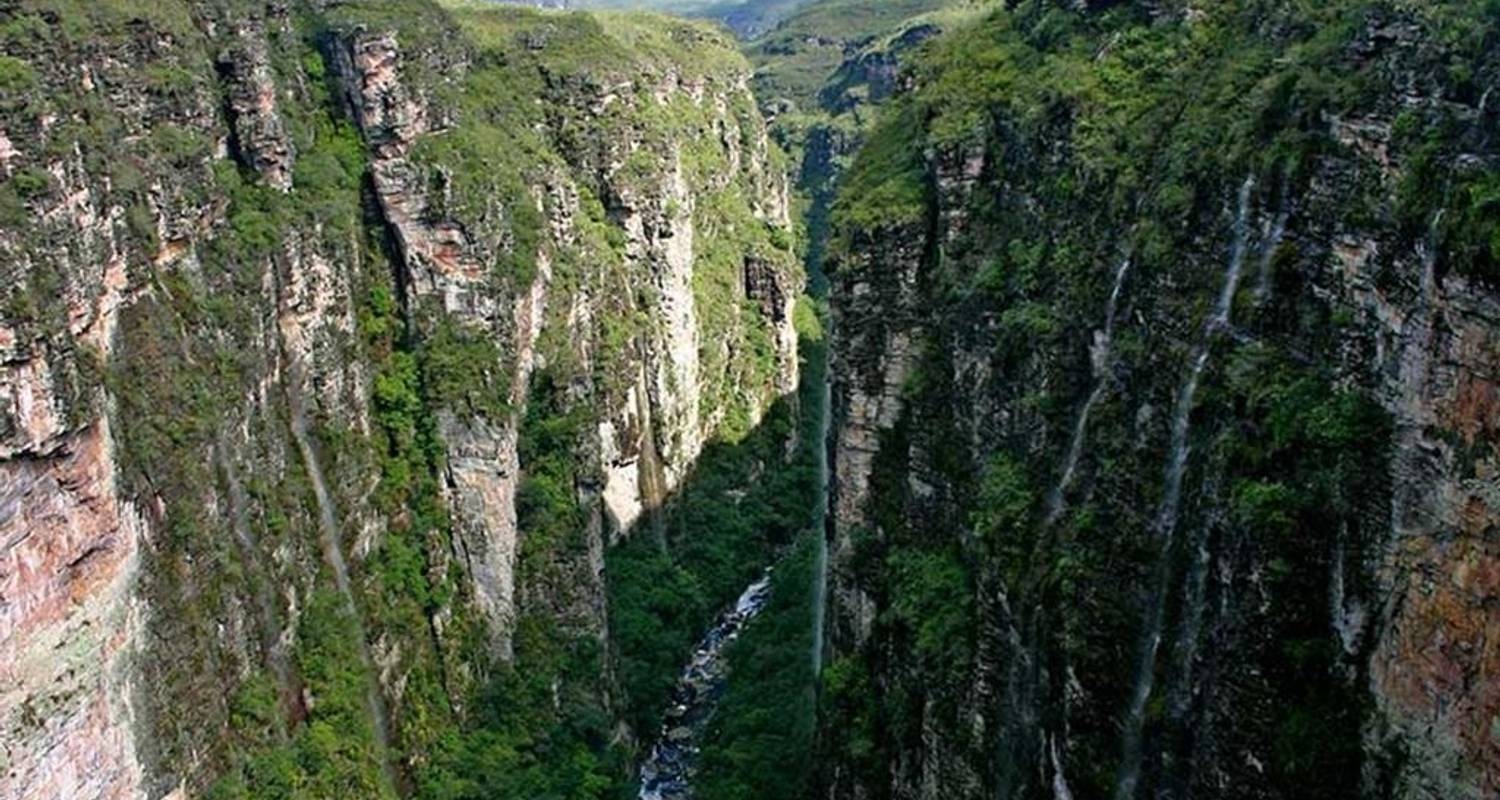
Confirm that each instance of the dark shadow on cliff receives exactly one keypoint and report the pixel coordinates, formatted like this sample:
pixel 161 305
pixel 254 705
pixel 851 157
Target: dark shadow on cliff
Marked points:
pixel 565 718
pixel 740 510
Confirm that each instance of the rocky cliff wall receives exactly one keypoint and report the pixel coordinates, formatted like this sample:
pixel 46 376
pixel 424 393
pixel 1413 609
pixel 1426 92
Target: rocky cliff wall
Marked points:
pixel 1164 440
pixel 280 279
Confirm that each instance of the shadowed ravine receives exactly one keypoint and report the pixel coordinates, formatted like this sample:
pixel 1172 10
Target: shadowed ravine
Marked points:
pixel 430 400
pixel 678 752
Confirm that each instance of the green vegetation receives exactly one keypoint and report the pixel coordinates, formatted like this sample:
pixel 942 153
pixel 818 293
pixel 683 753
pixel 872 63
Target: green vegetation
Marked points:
pixel 1109 132
pixel 1251 104
pixel 932 597
pixel 506 142
pixel 800 57
pixel 760 742
pixel 1002 517
pixel 850 710
pixel 1100 136
pixel 16 76
pixel 886 186
pixel 332 752
pixel 739 509
pixel 1309 466
pixel 575 45
pixel 203 331
pixel 114 18
pixel 213 253
pixel 812 71
pixel 410 582
pixel 1475 229
pixel 463 370
pixel 541 727
pixel 746 17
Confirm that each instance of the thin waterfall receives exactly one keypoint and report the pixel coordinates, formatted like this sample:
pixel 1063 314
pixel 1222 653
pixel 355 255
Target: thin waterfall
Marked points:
pixel 1101 356
pixel 1101 359
pixel 1267 256
pixel 1166 521
pixel 820 516
pixel 1020 717
pixel 333 554
pixel 1348 618
pixel 1196 588
pixel 1060 788
pixel 1415 364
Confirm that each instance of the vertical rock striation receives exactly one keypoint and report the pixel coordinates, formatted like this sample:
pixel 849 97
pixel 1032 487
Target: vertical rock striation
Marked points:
pixel 1317 625
pixel 281 283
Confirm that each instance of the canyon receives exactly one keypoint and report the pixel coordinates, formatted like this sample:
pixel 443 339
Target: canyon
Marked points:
pixel 919 399
pixel 318 262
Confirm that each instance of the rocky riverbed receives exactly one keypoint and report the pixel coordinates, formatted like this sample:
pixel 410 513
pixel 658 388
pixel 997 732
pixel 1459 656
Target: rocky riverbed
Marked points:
pixel 667 773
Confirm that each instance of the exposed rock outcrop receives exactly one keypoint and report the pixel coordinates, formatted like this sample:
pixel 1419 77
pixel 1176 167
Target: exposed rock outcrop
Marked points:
pixel 656 427
pixel 259 132
pixel 71 622
pixel 70 619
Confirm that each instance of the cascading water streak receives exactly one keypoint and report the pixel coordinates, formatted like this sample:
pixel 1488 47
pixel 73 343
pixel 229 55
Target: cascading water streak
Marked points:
pixel 1102 359
pixel 820 514
pixel 1267 256
pixel 1192 622
pixel 1198 568
pixel 1415 364
pixel 1167 517
pixel 1347 616
pixel 239 515
pixel 1060 788
pixel 333 554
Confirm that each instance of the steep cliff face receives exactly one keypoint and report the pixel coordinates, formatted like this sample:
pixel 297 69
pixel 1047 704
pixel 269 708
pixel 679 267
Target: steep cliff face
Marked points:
pixel 283 281
pixel 1165 423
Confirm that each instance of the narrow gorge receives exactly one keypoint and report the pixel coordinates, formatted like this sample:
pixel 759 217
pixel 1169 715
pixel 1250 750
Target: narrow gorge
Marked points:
pixel 749 399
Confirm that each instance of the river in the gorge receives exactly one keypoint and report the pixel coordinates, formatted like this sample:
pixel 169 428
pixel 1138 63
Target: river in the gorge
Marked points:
pixel 667 772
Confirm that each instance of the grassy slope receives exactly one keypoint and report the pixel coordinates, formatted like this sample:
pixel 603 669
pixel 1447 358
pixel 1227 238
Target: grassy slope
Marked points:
pixel 746 17
pixel 797 59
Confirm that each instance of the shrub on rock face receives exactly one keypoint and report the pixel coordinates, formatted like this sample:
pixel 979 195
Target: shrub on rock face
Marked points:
pixel 1476 230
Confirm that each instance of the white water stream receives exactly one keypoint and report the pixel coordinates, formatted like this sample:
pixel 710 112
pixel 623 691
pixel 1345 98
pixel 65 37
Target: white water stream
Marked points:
pixel 1267 256
pixel 1102 358
pixel 820 515
pixel 667 772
